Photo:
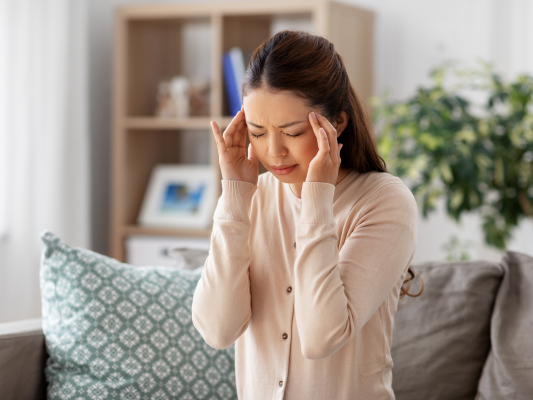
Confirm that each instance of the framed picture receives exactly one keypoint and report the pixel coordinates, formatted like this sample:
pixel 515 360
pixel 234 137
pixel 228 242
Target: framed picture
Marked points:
pixel 180 196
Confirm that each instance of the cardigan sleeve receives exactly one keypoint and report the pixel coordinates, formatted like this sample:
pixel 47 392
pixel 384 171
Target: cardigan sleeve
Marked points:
pixel 336 292
pixel 221 306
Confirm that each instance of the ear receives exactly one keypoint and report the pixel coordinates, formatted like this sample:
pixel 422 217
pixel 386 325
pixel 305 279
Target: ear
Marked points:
pixel 340 122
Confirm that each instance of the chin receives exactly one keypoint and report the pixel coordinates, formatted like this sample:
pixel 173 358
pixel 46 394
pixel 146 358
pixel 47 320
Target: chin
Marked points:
pixel 285 179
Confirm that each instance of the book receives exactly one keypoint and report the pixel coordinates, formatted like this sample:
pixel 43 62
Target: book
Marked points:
pixel 233 69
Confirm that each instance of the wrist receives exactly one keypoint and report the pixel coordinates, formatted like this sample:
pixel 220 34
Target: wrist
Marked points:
pixel 317 203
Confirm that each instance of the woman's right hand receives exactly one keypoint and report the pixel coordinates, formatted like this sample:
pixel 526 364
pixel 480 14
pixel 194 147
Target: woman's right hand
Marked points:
pixel 234 164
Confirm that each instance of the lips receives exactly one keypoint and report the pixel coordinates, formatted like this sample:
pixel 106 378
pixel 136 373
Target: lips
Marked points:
pixel 282 166
pixel 283 169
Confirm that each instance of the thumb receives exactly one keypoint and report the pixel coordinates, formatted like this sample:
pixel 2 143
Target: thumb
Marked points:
pixel 251 154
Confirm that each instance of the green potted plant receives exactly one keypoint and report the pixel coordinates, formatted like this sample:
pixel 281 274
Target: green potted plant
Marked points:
pixel 478 155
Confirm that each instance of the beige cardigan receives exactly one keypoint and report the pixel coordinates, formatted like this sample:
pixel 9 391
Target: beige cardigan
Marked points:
pixel 307 288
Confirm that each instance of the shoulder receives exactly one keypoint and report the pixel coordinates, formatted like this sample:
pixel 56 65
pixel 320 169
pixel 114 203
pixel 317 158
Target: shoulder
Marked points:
pixel 391 185
pixel 387 193
pixel 391 203
pixel 373 181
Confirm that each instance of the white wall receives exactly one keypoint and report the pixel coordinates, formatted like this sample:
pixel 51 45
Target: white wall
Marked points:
pixel 412 36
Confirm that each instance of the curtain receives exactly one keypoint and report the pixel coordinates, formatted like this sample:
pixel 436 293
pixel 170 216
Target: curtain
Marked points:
pixel 44 171
pixel 3 120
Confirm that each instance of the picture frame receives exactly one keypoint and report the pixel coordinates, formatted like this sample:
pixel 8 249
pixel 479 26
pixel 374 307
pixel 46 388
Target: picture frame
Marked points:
pixel 179 196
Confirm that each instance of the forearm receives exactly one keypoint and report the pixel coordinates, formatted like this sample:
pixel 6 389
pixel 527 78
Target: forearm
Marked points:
pixel 221 306
pixel 321 306
pixel 338 291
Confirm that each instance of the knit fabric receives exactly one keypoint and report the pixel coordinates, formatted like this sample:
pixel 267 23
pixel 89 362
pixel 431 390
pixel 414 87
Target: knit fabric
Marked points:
pixel 307 288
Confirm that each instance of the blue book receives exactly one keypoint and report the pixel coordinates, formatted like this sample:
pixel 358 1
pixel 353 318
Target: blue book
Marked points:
pixel 233 66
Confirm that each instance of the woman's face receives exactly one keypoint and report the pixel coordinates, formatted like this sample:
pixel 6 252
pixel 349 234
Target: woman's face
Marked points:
pixel 280 132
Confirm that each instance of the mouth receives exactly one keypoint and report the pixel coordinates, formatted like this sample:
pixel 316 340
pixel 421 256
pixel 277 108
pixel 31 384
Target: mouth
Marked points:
pixel 283 169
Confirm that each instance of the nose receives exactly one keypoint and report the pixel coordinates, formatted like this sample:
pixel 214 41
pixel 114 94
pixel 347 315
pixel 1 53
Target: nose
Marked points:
pixel 276 148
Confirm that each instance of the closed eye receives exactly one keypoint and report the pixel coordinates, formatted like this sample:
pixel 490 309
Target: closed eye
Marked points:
pixel 292 136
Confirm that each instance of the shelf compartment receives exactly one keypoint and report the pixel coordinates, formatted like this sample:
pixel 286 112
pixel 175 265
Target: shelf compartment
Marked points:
pixel 248 31
pixel 145 148
pixel 159 49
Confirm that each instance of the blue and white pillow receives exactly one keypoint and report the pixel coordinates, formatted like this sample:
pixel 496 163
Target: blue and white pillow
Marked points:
pixel 116 331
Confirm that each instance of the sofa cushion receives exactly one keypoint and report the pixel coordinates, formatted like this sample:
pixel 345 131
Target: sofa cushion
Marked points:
pixel 441 339
pixel 116 331
pixel 508 372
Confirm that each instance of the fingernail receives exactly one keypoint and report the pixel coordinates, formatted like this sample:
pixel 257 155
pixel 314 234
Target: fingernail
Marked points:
pixel 314 115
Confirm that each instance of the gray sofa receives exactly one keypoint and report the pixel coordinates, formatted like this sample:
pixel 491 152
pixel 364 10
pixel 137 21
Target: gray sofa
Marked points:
pixel 22 360
pixel 468 336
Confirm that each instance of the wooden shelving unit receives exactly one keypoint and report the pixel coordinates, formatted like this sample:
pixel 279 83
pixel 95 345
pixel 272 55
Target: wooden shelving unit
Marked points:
pixel 155 42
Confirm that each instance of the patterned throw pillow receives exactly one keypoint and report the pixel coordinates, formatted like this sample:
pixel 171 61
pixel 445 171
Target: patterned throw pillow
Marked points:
pixel 116 331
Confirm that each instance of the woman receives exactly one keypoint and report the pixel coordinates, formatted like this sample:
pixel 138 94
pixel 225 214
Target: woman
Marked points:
pixel 307 260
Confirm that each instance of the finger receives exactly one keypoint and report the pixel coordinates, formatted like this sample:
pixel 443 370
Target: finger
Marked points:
pixel 325 140
pixel 323 149
pixel 239 125
pixel 314 123
pixel 332 135
pixel 219 139
pixel 251 154
pixel 318 128
pixel 243 133
pixel 239 140
pixel 236 137
pixel 230 129
pixel 324 123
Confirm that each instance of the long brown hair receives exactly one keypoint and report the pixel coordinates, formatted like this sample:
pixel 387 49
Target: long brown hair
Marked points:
pixel 310 67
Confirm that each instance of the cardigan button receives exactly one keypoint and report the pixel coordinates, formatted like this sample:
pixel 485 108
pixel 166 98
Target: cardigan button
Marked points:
pixel 280 383
pixel 289 289
pixel 284 336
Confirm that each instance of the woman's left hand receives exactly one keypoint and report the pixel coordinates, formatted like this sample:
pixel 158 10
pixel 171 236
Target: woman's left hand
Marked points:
pixel 324 167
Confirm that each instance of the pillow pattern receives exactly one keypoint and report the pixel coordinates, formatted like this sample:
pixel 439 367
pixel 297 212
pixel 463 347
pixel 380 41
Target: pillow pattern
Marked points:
pixel 441 339
pixel 116 331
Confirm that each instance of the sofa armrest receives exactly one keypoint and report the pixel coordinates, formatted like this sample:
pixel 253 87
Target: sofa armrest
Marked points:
pixel 22 360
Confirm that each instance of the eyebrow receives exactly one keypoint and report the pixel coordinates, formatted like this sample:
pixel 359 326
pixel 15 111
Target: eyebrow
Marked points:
pixel 281 126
